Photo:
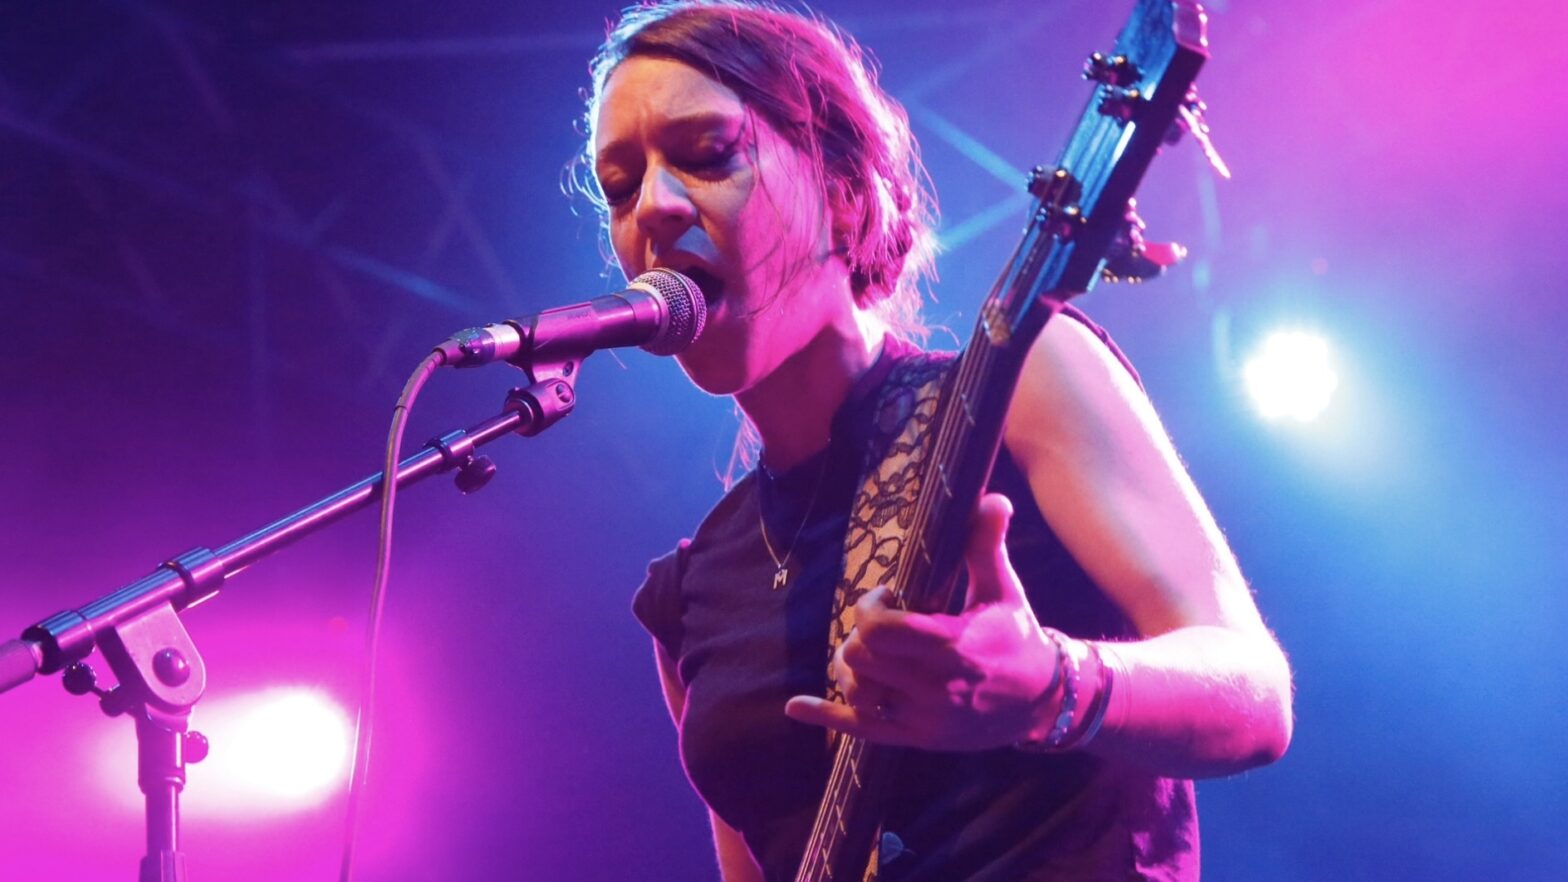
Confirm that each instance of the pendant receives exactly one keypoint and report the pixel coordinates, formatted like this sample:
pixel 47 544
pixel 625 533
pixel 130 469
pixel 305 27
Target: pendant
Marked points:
pixel 780 577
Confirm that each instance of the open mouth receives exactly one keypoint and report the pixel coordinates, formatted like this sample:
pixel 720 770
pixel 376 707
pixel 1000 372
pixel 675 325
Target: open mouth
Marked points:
pixel 711 285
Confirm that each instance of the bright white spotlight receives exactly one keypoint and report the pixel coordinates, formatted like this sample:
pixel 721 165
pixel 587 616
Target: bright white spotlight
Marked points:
pixel 290 746
pixel 1291 375
pixel 279 750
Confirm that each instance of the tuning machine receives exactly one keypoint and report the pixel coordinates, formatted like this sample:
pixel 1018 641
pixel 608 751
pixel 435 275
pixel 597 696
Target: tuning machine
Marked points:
pixel 1115 70
pixel 1132 258
pixel 1192 119
pixel 1120 98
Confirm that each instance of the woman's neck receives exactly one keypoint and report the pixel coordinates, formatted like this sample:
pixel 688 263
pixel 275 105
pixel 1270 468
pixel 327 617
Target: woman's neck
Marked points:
pixel 793 407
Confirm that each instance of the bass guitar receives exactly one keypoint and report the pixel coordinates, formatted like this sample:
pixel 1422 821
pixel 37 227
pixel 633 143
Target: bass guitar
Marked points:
pixel 1081 228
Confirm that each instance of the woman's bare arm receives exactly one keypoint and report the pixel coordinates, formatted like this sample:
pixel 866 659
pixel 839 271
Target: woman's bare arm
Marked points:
pixel 1207 690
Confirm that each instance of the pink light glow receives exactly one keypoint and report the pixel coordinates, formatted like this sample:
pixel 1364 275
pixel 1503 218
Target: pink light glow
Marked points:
pixel 279 750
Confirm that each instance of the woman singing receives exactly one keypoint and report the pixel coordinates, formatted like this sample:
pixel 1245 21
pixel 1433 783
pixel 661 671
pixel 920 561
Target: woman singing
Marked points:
pixel 752 150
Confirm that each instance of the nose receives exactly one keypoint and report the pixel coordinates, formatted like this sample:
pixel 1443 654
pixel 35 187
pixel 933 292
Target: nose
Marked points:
pixel 664 208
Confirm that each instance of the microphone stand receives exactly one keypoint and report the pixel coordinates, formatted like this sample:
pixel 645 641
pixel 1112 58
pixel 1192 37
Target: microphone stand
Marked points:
pixel 160 672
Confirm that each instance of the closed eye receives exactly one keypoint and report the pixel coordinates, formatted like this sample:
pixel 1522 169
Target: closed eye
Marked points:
pixel 704 147
pixel 617 183
pixel 710 158
pixel 702 165
pixel 617 196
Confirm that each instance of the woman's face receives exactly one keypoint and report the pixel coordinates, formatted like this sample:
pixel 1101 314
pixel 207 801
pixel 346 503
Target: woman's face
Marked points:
pixel 698 183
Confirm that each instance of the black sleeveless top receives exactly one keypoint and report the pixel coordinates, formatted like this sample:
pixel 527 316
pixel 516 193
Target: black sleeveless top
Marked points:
pixel 742 649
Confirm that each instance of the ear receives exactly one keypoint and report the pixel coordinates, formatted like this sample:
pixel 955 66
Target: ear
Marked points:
pixel 843 216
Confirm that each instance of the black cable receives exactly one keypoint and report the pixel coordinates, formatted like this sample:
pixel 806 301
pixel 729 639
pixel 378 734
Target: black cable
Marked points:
pixel 367 693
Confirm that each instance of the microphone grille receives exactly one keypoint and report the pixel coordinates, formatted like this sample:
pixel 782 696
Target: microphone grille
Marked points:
pixel 684 305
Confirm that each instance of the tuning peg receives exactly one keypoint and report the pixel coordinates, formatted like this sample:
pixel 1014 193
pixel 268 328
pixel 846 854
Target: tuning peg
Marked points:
pixel 1116 70
pixel 1135 259
pixel 1191 119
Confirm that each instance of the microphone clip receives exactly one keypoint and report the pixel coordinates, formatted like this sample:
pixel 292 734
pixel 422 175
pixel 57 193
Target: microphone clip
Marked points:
pixel 543 404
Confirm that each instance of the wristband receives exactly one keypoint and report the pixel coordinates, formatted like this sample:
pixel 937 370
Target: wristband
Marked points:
pixel 1068 672
pixel 1095 714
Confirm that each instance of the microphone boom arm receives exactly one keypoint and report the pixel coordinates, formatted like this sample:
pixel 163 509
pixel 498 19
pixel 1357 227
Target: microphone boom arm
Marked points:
pixel 161 673
pixel 52 644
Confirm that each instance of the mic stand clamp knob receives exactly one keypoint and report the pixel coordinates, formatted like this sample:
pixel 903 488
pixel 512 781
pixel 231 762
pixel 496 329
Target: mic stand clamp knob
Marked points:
pixel 474 473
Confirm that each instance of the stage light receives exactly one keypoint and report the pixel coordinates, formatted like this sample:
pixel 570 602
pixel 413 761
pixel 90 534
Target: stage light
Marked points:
pixel 279 750
pixel 1291 375
pixel 289 746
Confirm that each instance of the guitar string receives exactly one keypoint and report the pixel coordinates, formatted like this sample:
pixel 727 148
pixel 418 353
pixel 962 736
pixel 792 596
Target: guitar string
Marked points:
pixel 852 751
pixel 819 852
pixel 975 361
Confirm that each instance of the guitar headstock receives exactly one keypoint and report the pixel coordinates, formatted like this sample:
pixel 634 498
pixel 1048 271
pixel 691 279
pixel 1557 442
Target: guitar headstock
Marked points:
pixel 1143 93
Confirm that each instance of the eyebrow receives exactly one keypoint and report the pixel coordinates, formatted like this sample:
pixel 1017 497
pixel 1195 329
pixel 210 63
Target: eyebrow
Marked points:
pixel 679 126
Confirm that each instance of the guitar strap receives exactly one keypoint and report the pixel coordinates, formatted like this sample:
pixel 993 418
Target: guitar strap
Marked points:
pixel 884 508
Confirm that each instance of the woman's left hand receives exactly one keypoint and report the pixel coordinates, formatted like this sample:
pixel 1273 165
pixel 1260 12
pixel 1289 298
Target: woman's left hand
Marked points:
pixel 971 681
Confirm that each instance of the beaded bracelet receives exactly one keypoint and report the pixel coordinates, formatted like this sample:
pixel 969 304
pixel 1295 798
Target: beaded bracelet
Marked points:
pixel 1068 672
pixel 1095 715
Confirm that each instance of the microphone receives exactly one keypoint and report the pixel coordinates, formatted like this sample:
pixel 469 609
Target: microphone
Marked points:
pixel 661 310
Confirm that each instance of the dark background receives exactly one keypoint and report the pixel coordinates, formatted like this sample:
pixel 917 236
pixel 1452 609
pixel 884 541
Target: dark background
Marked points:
pixel 228 230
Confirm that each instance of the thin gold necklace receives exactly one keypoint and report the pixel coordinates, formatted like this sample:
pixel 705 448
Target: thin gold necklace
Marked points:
pixel 781 573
